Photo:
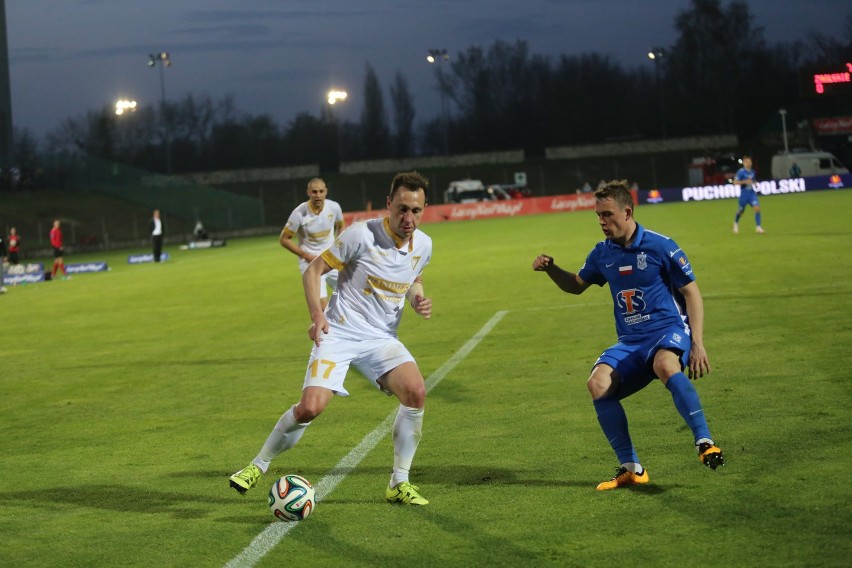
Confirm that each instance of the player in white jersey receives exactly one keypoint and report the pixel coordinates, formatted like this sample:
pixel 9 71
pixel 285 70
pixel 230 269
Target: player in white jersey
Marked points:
pixel 380 263
pixel 317 221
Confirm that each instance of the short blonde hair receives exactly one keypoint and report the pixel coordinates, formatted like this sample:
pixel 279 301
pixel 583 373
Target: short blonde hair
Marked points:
pixel 618 191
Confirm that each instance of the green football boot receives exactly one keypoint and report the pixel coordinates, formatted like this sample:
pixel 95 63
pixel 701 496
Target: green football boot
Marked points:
pixel 405 493
pixel 246 478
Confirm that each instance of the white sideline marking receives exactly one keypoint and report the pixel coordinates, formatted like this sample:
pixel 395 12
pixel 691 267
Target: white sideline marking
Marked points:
pixel 274 532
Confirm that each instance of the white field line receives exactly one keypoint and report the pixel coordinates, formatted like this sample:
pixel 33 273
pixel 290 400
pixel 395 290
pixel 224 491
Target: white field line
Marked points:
pixel 274 532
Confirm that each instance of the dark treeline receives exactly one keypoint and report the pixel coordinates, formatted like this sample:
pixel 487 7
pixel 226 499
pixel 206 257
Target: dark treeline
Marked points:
pixel 719 77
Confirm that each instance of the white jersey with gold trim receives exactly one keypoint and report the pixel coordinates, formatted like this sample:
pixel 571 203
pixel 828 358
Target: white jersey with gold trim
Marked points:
pixel 374 277
pixel 315 230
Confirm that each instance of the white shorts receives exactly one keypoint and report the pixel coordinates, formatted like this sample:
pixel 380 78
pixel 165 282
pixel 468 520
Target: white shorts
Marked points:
pixel 327 279
pixel 330 361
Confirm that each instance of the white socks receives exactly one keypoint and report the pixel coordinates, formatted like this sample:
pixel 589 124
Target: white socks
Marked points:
pixel 407 429
pixel 284 436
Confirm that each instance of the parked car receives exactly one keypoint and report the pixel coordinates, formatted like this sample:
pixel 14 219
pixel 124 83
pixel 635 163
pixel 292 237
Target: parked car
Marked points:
pixel 807 164
pixel 467 191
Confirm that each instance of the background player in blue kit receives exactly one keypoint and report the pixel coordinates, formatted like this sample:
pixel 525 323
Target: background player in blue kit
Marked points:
pixel 748 196
pixel 659 317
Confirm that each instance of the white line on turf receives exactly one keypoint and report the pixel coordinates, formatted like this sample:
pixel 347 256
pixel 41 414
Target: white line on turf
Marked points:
pixel 274 532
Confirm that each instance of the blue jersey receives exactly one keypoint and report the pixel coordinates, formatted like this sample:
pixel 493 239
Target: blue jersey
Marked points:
pixel 745 174
pixel 644 279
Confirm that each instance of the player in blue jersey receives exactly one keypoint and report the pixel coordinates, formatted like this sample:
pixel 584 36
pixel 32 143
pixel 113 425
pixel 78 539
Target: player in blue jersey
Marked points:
pixel 748 195
pixel 659 317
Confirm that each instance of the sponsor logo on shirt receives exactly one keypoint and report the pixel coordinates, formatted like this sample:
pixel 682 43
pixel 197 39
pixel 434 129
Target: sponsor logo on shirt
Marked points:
pixel 388 286
pixel 632 304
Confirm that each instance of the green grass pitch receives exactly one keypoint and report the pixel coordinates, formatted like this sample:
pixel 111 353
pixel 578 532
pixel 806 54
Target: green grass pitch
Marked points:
pixel 128 397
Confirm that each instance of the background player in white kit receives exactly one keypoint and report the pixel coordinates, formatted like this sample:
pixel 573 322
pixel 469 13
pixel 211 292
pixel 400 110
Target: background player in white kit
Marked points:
pixel 380 263
pixel 317 221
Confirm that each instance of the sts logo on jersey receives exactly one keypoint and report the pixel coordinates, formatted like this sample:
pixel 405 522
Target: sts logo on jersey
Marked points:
pixel 632 304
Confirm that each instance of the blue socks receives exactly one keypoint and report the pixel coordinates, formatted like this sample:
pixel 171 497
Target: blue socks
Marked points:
pixel 688 405
pixel 613 421
pixel 757 218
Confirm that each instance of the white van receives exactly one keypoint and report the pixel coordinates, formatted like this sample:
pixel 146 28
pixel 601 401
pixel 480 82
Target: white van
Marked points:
pixel 809 164
pixel 467 191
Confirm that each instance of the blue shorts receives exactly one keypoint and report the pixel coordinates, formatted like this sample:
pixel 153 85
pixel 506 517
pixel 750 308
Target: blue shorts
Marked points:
pixel 634 360
pixel 748 197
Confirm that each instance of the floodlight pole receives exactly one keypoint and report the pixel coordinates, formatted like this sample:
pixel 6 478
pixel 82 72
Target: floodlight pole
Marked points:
pixel 656 55
pixel 439 56
pixel 163 60
pixel 333 97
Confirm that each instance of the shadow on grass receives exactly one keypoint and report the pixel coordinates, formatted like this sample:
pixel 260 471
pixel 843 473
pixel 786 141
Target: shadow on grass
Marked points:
pixel 118 498
pixel 448 475
pixel 471 544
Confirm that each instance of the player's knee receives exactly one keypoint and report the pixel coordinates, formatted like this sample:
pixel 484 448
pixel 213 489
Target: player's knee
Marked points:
pixel 307 410
pixel 599 384
pixel 664 368
pixel 305 413
pixel 413 394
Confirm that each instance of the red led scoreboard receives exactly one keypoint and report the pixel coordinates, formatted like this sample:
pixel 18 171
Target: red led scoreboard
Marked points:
pixel 827 81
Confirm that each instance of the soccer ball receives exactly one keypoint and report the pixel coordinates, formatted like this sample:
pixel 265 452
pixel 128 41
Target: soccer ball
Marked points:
pixel 292 498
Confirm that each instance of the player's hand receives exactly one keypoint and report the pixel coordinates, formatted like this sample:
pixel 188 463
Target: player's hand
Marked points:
pixel 422 306
pixel 542 262
pixel 318 329
pixel 699 365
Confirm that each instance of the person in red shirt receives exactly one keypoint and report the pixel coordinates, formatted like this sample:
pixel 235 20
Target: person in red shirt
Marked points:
pixel 14 245
pixel 58 250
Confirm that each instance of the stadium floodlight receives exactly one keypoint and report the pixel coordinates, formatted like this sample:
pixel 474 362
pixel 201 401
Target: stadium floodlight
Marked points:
pixel 438 55
pixel 124 105
pixel 162 58
pixel 335 95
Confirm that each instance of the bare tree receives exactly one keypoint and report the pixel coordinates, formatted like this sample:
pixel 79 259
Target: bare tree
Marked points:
pixel 403 117
pixel 375 134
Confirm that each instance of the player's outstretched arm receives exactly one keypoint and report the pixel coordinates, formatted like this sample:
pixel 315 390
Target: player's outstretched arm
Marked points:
pixel 567 281
pixel 699 363
pixel 418 300
pixel 311 280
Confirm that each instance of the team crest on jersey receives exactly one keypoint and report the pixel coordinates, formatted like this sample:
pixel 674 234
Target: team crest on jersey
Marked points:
pixel 414 261
pixel 641 261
